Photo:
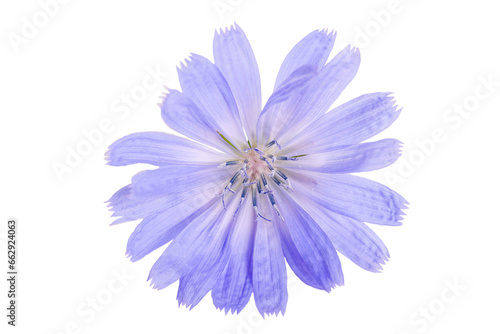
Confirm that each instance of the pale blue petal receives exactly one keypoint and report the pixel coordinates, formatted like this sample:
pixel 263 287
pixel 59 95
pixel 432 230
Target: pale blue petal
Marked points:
pixel 348 124
pixel 356 241
pixel 177 180
pixel 159 149
pixel 350 237
pixel 234 287
pixel 199 239
pixel 352 196
pixel 349 159
pixel 203 83
pixel 184 116
pixel 158 229
pixel 268 270
pixel 168 188
pixel 204 268
pixel 277 111
pixel 322 92
pixel 314 253
pixel 313 50
pixel 129 208
pixel 234 57
pixel 301 64
pixel 180 194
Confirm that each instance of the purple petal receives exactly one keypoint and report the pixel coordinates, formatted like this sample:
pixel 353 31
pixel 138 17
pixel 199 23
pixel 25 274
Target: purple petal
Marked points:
pixel 168 188
pixel 311 50
pixel 322 92
pixel 348 124
pixel 125 205
pixel 235 59
pixel 308 250
pixel 202 238
pixel 234 287
pixel 158 229
pixel 350 159
pixel 184 116
pixel 205 266
pixel 159 149
pixel 350 237
pixel 356 241
pixel 181 180
pixel 351 196
pixel 203 83
pixel 276 112
pixel 268 269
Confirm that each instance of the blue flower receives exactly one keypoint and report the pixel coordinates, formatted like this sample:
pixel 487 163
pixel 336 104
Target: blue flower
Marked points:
pixel 252 187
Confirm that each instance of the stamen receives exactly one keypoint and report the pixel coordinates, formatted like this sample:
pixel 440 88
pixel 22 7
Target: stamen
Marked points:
pixel 254 201
pixel 246 184
pixel 273 177
pixel 228 187
pixel 269 165
pixel 283 176
pixel 243 194
pixel 264 182
pixel 228 163
pixel 244 168
pixel 251 168
pixel 273 203
pixel 253 149
pixel 275 180
pixel 273 142
pixel 281 157
pixel 259 152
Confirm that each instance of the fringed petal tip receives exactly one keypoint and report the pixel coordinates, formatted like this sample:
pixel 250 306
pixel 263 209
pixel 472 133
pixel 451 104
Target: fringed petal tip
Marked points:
pixel 231 28
pixel 275 313
pixel 189 306
pixel 153 283
pixel 229 309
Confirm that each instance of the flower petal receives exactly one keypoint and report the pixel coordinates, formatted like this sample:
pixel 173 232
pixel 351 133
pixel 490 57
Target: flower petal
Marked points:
pixel 203 83
pixel 124 205
pixel 356 241
pixel 234 287
pixel 268 269
pixel 276 112
pixel 234 57
pixel 313 50
pixel 350 237
pixel 197 251
pixel 158 229
pixel 349 159
pixel 348 124
pixel 159 149
pixel 307 248
pixel 165 188
pixel 203 269
pixel 322 92
pixel 188 249
pixel 184 116
pixel 351 196
pixel 181 180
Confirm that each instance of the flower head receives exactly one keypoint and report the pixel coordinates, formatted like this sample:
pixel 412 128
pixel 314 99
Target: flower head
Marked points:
pixel 252 187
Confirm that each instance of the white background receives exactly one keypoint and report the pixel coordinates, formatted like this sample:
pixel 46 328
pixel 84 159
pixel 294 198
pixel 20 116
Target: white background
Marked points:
pixel 68 77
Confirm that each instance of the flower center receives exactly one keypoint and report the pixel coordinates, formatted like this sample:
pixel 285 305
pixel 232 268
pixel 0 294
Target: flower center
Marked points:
pixel 255 165
pixel 255 177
